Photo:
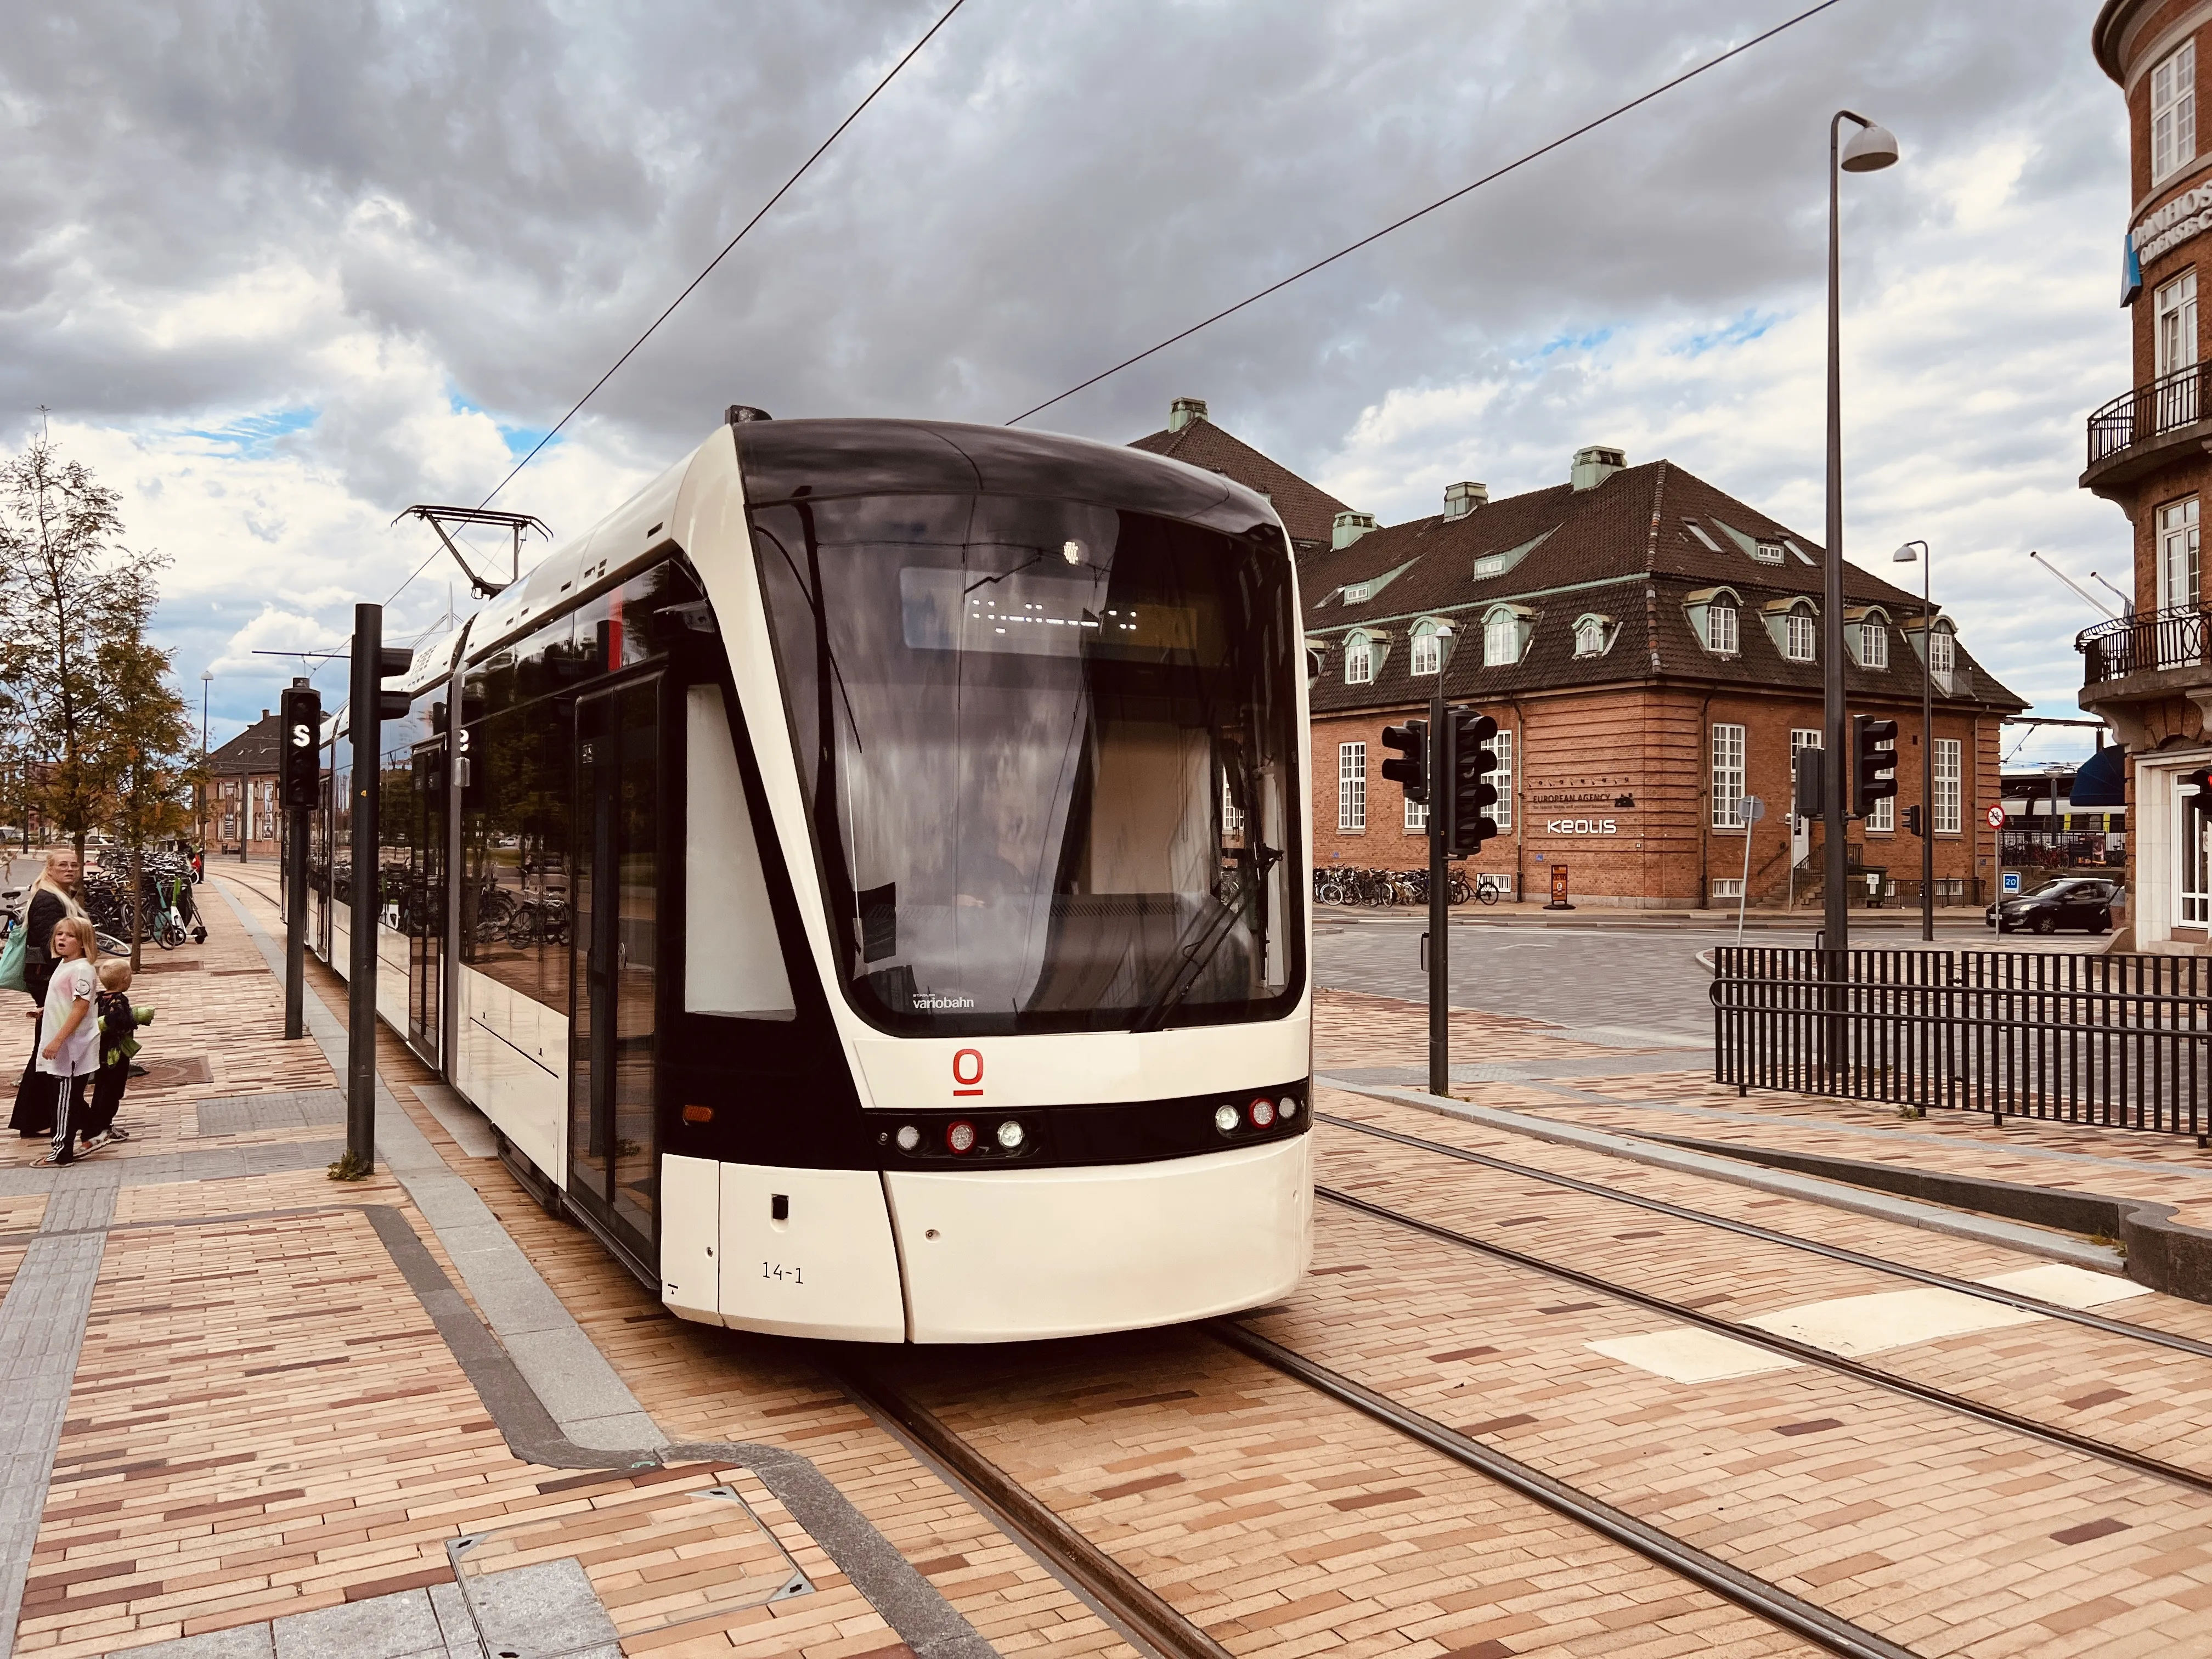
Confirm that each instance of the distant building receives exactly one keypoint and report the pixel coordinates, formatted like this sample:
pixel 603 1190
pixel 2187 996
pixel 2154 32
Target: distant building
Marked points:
pixel 242 790
pixel 1650 648
pixel 2149 451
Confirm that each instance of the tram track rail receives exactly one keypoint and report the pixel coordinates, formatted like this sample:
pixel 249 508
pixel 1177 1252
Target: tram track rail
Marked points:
pixel 1141 1614
pixel 1804 1353
pixel 1927 1276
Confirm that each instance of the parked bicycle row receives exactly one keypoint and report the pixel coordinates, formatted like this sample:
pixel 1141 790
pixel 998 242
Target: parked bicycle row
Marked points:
pixel 1380 889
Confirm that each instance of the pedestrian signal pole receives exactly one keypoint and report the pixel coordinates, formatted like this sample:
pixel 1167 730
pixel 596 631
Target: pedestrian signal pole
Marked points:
pixel 300 714
pixel 369 705
pixel 1440 804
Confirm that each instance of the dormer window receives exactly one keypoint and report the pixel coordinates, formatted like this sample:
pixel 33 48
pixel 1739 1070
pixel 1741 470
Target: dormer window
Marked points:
pixel 1873 641
pixel 1722 623
pixel 1943 655
pixel 1799 635
pixel 1505 629
pixel 1355 593
pixel 1490 564
pixel 1427 655
pixel 1767 552
pixel 1358 660
pixel 1593 636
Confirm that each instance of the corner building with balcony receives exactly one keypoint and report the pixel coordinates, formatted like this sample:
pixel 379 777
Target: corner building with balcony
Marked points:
pixel 2150 452
pixel 1649 646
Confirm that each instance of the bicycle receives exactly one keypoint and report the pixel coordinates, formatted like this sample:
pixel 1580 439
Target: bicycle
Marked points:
pixel 1487 890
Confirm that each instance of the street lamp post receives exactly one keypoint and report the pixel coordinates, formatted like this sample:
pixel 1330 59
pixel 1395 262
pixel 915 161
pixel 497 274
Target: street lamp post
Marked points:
pixel 1926 556
pixel 1871 148
pixel 207 677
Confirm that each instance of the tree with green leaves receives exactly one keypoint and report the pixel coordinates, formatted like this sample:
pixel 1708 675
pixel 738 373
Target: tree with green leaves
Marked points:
pixel 68 588
pixel 142 755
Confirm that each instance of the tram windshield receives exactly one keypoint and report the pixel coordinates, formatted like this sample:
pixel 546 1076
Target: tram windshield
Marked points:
pixel 1050 750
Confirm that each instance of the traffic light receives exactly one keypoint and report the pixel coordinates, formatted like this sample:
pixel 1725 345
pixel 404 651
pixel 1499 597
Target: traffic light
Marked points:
pixel 1873 762
pixel 2196 790
pixel 1809 775
pixel 393 660
pixel 1469 761
pixel 1410 768
pixel 300 716
pixel 1912 823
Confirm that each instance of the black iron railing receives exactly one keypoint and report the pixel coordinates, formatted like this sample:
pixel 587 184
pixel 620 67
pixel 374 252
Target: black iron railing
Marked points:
pixel 2167 404
pixel 2174 638
pixel 2118 1041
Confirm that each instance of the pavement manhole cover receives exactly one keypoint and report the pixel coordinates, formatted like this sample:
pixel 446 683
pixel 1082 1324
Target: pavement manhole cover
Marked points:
pixel 175 1073
pixel 609 1572
pixel 168 964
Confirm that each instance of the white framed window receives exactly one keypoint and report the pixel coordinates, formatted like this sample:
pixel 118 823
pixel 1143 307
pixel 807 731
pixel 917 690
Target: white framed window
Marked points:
pixel 1428 653
pixel 1799 635
pixel 2175 329
pixel 1490 564
pixel 1727 777
pixel 1351 786
pixel 1502 779
pixel 2173 112
pixel 1943 656
pixel 1590 639
pixel 1874 643
pixel 1881 815
pixel 2180 581
pixel 1728 887
pixel 1947 787
pixel 1501 640
pixel 1358 660
pixel 1767 552
pixel 1722 626
pixel 1357 593
pixel 1417 819
pixel 2193 869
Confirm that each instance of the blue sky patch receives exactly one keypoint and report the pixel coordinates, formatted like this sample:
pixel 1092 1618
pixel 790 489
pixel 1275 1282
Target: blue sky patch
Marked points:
pixel 1742 332
pixel 253 437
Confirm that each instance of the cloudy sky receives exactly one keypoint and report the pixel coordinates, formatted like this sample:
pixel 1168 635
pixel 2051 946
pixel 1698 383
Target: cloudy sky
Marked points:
pixel 277 271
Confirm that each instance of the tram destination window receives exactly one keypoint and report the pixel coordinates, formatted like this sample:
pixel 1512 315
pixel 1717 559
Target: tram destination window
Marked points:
pixel 1050 752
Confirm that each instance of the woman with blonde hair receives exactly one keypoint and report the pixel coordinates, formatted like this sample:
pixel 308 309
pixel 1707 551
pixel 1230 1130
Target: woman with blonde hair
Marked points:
pixel 54 896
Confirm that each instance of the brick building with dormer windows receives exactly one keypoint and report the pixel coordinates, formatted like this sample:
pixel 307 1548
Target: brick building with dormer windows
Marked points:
pixel 1650 648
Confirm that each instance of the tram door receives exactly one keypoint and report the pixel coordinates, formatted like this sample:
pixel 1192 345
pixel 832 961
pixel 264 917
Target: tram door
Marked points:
pixel 423 911
pixel 614 1163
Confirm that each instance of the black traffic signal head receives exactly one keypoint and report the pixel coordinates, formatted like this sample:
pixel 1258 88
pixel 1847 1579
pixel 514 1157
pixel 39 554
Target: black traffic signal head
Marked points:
pixel 1912 822
pixel 1809 775
pixel 299 718
pixel 1473 795
pixel 393 660
pixel 2196 789
pixel 1873 762
pixel 1411 765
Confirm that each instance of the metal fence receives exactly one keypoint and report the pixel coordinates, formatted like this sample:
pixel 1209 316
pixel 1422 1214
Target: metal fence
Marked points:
pixel 2120 1041
pixel 2176 637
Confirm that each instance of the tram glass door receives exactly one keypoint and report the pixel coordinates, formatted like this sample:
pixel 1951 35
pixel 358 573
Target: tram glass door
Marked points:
pixel 614 1165
pixel 423 911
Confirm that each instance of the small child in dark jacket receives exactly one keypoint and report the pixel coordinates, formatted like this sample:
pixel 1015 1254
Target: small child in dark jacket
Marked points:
pixel 118 1042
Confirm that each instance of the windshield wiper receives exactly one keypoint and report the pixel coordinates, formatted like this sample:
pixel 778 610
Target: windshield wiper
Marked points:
pixel 1196 955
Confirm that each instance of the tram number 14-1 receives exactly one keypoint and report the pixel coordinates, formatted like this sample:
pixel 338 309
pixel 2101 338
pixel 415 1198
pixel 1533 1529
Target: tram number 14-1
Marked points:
pixel 781 1274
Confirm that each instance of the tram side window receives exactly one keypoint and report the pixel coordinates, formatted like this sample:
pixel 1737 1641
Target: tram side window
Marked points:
pixel 616 630
pixel 340 820
pixel 396 808
pixel 514 836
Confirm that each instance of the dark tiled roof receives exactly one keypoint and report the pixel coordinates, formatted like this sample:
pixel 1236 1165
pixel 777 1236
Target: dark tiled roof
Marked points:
pixel 1623 551
pixel 1307 511
pixel 253 751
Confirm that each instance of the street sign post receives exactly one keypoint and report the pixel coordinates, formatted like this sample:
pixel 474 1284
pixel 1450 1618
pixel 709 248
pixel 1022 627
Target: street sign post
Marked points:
pixel 1751 809
pixel 1996 817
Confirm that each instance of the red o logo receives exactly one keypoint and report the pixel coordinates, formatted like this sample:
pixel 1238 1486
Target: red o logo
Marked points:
pixel 968 1071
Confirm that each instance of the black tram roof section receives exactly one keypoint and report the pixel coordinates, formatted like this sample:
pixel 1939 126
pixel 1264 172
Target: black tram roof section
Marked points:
pixel 785 461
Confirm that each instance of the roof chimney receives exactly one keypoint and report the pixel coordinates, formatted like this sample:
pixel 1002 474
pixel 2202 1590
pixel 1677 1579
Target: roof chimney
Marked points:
pixel 1595 465
pixel 265 714
pixel 1461 499
pixel 1183 410
pixel 1348 527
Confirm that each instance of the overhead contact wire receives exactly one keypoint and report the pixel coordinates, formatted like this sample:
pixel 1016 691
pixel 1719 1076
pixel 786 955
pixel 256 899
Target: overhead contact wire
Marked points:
pixel 1441 202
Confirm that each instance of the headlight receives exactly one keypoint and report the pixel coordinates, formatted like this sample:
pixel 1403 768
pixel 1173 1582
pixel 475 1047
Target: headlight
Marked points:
pixel 1226 1118
pixel 1010 1135
pixel 908 1138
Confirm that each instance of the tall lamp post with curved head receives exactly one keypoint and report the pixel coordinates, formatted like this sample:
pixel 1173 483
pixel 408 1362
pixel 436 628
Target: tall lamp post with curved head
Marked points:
pixel 1906 555
pixel 1869 149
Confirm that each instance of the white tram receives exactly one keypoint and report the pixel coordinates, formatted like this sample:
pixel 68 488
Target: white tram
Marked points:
pixel 862 880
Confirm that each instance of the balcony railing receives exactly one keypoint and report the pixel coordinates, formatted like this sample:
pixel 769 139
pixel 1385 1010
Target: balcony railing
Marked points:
pixel 2174 638
pixel 2169 402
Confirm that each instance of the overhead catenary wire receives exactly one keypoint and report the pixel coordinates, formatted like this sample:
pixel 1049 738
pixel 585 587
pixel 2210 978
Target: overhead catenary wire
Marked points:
pixel 1614 114
pixel 630 351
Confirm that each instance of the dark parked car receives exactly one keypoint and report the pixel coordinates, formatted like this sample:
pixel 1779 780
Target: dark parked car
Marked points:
pixel 2084 901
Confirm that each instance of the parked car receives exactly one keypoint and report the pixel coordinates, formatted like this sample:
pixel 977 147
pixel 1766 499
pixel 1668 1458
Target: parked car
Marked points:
pixel 2083 902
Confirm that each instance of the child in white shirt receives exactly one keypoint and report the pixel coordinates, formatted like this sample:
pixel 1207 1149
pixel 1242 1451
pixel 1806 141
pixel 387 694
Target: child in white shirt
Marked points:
pixel 71 1052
